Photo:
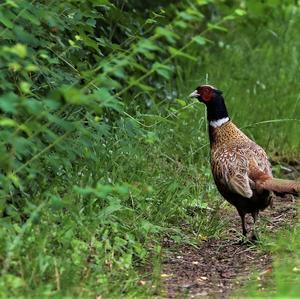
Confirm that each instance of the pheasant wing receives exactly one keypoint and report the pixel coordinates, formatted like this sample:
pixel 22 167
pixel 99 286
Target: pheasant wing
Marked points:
pixel 240 184
pixel 231 168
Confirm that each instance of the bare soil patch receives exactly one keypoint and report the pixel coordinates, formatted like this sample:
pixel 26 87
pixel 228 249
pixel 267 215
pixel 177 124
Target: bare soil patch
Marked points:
pixel 217 267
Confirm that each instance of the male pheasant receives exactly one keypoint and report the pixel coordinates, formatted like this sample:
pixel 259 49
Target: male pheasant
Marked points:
pixel 240 167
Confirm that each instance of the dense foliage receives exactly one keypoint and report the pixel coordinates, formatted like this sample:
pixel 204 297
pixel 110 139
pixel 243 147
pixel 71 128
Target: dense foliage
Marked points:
pixel 68 71
pixel 101 156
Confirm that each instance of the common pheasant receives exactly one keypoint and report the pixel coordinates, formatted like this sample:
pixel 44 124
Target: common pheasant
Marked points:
pixel 240 167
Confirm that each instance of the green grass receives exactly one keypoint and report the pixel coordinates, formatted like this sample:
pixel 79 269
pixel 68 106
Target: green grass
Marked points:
pixel 96 239
pixel 256 65
pixel 152 177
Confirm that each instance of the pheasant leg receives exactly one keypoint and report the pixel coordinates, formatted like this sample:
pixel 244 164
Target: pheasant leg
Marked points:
pixel 242 215
pixel 254 235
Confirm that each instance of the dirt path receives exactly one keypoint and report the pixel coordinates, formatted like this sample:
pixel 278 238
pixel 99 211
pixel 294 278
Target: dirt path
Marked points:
pixel 218 266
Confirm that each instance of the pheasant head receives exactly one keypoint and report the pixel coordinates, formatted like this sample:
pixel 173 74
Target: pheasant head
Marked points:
pixel 213 99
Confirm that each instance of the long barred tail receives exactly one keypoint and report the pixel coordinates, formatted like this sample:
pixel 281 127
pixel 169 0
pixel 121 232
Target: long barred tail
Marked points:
pixel 279 185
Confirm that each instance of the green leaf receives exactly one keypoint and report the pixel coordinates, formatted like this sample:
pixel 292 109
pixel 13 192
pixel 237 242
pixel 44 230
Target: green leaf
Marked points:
pixel 31 68
pixel 107 100
pixel 107 82
pixel 163 70
pixel 203 2
pixel 18 49
pixel 91 22
pixel 8 122
pixel 31 18
pixel 170 36
pixel 52 104
pixel 60 122
pixel 240 12
pixel 177 52
pixel 88 41
pixel 199 40
pixel 73 95
pixel 181 102
pixel 150 21
pixel 6 21
pixel 14 66
pixel 113 207
pixel 134 81
pixel 181 24
pixel 33 106
pixel 8 102
pixel 229 18
pixel 187 16
pixel 12 3
pixel 216 27
pixel 25 87
pixel 25 36
pixel 100 2
pixel 146 45
pixel 23 146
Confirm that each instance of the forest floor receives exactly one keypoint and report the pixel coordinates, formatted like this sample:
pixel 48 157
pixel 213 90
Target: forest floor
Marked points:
pixel 218 266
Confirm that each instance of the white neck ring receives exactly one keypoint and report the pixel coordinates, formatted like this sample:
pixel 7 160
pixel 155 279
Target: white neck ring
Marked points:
pixel 219 122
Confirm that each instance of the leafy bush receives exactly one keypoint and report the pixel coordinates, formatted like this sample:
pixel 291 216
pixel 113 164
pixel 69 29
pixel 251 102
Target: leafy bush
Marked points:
pixel 98 153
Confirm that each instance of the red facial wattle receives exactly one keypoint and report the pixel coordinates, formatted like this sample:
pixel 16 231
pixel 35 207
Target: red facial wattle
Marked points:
pixel 206 94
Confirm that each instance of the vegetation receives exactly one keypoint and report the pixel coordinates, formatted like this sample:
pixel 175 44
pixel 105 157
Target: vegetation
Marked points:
pixel 102 155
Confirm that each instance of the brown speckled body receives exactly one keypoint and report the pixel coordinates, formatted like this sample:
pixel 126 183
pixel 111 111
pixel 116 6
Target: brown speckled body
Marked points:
pixel 233 158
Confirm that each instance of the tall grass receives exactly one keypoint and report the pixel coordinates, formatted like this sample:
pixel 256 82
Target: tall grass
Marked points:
pixel 257 65
pixel 84 241
pixel 150 175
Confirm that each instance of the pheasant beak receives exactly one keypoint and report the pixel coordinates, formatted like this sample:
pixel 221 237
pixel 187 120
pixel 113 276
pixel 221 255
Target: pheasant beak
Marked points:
pixel 194 94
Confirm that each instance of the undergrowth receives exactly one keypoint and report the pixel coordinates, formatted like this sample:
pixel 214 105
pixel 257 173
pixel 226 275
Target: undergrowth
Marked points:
pixel 101 153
